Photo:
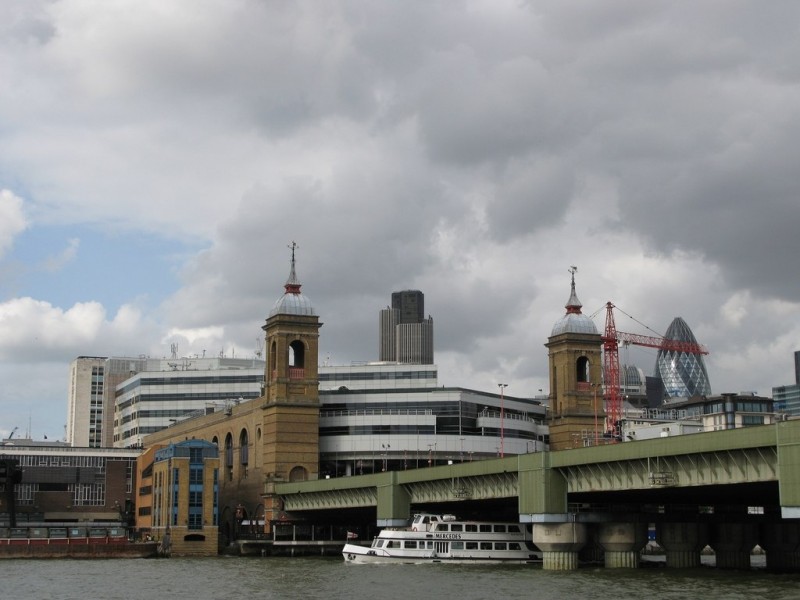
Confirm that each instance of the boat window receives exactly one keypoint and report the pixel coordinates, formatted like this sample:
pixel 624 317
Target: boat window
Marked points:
pixel 456 527
pixel 456 545
pixel 500 528
pixel 378 543
pixel 486 528
pixel 410 544
pixel 514 546
pixel 513 529
pixel 443 527
pixel 486 545
pixel 430 544
pixel 392 544
pixel 425 520
pixel 472 545
pixel 500 546
pixel 470 527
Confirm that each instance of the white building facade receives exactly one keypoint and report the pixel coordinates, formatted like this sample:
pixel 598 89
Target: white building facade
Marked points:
pixel 390 416
pixel 171 390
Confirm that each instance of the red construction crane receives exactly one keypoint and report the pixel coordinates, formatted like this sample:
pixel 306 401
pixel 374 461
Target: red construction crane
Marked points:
pixel 611 339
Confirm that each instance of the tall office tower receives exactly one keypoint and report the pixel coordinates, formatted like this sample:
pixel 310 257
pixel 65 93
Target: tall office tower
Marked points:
pixel 85 401
pixel 684 374
pixel 90 409
pixel 410 304
pixel 406 336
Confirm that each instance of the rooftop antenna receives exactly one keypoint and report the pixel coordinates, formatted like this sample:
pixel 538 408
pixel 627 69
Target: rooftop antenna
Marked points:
pixel 173 348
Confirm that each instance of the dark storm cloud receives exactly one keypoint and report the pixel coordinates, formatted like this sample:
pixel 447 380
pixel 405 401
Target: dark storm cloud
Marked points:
pixel 473 150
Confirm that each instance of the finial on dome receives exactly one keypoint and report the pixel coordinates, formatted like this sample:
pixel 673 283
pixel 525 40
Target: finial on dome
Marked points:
pixel 573 304
pixel 292 286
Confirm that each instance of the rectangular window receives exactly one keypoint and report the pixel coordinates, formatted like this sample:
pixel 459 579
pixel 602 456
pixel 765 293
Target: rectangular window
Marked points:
pixel 500 546
pixel 486 545
pixel 500 528
pixel 472 545
pixel 195 475
pixel 411 544
pixel 195 521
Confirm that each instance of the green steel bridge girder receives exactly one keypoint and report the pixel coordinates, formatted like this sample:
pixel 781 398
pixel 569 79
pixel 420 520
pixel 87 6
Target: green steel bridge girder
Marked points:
pixel 543 481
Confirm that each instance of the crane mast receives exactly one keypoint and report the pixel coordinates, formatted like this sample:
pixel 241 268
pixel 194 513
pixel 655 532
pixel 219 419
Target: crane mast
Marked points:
pixel 611 339
pixel 611 372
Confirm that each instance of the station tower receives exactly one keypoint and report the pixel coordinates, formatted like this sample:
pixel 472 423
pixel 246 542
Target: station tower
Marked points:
pixel 576 366
pixel 291 393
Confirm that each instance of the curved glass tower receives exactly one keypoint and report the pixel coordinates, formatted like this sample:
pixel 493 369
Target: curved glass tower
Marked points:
pixel 684 375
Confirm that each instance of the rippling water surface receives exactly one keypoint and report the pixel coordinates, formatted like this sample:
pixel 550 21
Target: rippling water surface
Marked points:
pixel 331 579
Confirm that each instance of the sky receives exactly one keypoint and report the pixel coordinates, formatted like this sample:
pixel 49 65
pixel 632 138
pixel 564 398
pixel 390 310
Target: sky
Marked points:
pixel 157 159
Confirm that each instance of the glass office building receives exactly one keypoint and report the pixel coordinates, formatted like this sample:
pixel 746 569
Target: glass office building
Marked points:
pixel 683 374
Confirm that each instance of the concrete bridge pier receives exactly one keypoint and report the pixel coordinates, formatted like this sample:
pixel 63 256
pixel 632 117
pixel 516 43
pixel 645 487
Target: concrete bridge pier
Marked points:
pixel 622 543
pixel 733 543
pixel 560 544
pixel 781 540
pixel 682 542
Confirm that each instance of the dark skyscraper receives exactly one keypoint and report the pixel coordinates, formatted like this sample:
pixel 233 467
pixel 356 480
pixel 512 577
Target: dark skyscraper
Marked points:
pixel 410 304
pixel 406 336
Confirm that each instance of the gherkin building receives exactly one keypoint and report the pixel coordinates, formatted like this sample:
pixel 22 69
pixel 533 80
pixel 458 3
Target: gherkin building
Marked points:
pixel 684 374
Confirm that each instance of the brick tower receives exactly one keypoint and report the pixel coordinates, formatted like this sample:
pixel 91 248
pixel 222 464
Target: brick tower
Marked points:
pixel 291 393
pixel 576 417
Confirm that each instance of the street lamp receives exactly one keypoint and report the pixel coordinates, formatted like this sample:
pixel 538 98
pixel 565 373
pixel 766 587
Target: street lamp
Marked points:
pixel 385 455
pixel 502 387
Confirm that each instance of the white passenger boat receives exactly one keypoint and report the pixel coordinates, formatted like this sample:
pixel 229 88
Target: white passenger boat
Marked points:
pixel 443 538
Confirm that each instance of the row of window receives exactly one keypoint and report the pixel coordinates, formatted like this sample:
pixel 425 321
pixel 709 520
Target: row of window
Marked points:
pixel 479 527
pixel 182 396
pixel 377 375
pixel 199 380
pixel 454 545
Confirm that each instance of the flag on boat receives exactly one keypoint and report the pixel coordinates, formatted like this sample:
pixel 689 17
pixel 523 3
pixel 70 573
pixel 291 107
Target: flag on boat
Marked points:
pixel 351 535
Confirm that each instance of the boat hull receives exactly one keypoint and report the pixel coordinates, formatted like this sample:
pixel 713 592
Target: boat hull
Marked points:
pixel 444 539
pixel 356 554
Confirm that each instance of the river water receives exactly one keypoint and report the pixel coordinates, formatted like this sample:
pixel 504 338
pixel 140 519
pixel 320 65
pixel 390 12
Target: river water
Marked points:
pixel 330 579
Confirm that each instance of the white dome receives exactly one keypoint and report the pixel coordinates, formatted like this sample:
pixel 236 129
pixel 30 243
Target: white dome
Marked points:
pixel 292 304
pixel 574 323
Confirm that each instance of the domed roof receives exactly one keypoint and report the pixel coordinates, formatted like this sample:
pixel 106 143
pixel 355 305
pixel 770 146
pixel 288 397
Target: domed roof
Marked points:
pixel 574 321
pixel 293 302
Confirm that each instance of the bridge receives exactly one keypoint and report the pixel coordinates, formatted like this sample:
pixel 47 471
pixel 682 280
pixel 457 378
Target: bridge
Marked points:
pixel 729 489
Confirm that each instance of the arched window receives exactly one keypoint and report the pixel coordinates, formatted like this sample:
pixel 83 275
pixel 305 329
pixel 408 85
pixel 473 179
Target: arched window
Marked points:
pixel 273 354
pixel 229 451
pixel 298 474
pixel 297 354
pixel 582 369
pixel 243 447
pixel 297 360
